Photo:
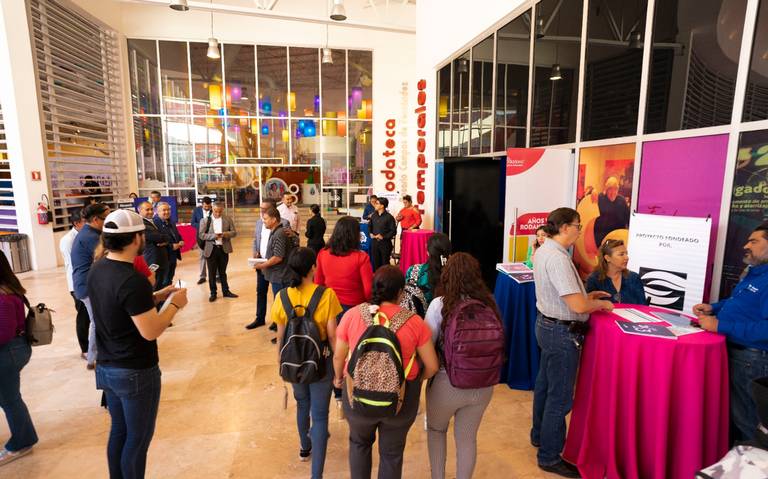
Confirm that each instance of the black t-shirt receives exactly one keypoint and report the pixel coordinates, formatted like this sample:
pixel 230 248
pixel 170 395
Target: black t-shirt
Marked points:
pixel 118 292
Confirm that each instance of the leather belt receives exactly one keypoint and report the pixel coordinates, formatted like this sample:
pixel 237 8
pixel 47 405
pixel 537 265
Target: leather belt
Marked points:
pixel 739 347
pixel 557 321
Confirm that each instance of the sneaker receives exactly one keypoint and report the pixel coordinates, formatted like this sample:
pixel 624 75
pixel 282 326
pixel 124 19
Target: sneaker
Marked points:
pixel 304 454
pixel 562 468
pixel 7 456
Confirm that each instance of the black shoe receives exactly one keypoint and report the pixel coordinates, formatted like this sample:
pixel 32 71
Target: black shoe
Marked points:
pixel 201 280
pixel 230 294
pixel 273 327
pixel 535 444
pixel 255 324
pixel 212 298
pixel 562 468
pixel 304 454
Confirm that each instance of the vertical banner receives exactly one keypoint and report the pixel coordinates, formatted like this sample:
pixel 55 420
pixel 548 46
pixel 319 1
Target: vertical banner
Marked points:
pixel 684 177
pixel 604 194
pixel 538 181
pixel 749 204
pixel 670 255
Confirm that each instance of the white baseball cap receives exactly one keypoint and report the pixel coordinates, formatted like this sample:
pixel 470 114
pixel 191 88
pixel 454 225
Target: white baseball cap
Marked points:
pixel 126 221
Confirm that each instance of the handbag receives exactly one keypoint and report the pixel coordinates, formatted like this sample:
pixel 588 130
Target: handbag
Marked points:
pixel 200 241
pixel 38 324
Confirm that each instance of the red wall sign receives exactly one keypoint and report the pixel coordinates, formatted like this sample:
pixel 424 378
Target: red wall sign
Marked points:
pixel 389 155
pixel 421 144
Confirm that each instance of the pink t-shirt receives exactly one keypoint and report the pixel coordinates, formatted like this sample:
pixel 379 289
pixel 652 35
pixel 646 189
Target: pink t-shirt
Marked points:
pixel 413 334
pixel 12 316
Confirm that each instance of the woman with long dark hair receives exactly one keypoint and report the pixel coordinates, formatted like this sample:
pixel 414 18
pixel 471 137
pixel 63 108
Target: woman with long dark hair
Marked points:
pixel 15 352
pixel 461 280
pixel 315 230
pixel 428 274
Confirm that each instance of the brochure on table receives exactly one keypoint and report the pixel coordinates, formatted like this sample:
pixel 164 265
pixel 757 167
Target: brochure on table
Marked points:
pixel 520 272
pixel 677 324
pixel 646 329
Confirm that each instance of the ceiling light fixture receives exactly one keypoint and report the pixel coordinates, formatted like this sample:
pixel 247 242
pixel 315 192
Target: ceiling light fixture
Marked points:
pixel 555 74
pixel 327 53
pixel 635 40
pixel 338 12
pixel 462 66
pixel 179 5
pixel 539 28
pixel 213 44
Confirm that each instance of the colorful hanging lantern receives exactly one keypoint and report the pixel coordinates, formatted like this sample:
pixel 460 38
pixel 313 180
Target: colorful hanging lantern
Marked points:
pixel 265 130
pixel 292 101
pixel 214 96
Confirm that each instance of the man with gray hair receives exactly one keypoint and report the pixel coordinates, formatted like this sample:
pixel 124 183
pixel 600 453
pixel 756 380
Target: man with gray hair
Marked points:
pixel 166 226
pixel 155 251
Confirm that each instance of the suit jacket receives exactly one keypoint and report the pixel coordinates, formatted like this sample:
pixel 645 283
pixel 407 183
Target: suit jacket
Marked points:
pixel 170 229
pixel 227 227
pixel 257 233
pixel 153 252
pixel 197 216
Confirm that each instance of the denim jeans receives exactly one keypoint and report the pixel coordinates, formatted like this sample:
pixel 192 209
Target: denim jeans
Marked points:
pixel 133 396
pixel 14 355
pixel 312 401
pixel 92 353
pixel 262 286
pixel 744 367
pixel 276 287
pixel 553 392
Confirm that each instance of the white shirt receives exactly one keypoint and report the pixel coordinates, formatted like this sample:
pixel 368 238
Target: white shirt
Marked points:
pixel 218 228
pixel 65 246
pixel 265 232
pixel 291 214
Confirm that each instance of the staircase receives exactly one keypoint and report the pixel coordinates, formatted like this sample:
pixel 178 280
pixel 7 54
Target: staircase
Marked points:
pixel 245 221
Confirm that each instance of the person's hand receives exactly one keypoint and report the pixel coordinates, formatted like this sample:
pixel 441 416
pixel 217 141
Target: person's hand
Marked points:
pixel 337 382
pixel 152 278
pixel 180 298
pixel 257 255
pixel 258 266
pixel 181 243
pixel 702 309
pixel 162 294
pixel 606 306
pixel 219 235
pixel 598 295
pixel 708 323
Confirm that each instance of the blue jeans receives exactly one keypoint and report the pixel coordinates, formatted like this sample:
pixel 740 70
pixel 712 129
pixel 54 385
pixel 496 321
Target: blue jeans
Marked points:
pixel 312 400
pixel 276 287
pixel 744 367
pixel 14 355
pixel 133 396
pixel 553 393
pixel 92 353
pixel 262 286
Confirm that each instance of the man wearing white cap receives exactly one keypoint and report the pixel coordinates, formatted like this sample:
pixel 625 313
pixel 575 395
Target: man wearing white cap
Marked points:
pixel 127 326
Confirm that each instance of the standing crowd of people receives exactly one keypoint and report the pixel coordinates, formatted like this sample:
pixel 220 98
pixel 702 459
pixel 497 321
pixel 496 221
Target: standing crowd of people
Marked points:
pixel 343 329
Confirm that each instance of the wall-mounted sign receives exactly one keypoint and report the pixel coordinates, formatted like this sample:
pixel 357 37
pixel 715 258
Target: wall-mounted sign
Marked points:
pixel 421 145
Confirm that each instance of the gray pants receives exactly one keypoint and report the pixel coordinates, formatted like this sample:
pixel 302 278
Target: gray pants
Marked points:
pixel 466 406
pixel 92 352
pixel 202 264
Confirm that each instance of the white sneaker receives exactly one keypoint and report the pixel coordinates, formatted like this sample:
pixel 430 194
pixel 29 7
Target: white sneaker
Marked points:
pixel 7 456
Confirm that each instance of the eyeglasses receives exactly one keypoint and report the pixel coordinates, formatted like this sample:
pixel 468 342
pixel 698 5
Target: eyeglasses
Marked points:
pixel 576 225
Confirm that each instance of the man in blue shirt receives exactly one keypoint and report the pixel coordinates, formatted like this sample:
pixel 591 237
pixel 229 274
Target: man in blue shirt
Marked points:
pixel 83 249
pixel 369 208
pixel 201 212
pixel 743 319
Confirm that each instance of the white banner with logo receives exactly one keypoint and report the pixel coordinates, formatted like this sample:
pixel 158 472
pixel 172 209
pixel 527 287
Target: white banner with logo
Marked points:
pixel 538 181
pixel 670 255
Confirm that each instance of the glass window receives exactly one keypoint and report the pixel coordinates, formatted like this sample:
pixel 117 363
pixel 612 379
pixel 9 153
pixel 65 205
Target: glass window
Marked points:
pixel 360 72
pixel 185 204
pixel 174 76
pixel 360 153
pixel 694 59
pixel 180 153
pixel 274 136
pixel 240 79
pixel 335 151
pixel 614 65
pixel 207 91
pixel 300 182
pixel 304 96
pixel 556 74
pixel 305 142
pixel 335 85
pixel 149 152
pixel 443 112
pixel 481 117
pixel 460 106
pixel 207 135
pixel 512 60
pixel 145 92
pixel 756 100
pixel 242 138
pixel 272 66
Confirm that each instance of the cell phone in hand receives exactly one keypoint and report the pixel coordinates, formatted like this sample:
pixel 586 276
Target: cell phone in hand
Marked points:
pixel 154 267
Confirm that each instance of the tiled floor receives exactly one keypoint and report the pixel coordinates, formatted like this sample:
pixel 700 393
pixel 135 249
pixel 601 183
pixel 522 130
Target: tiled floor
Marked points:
pixel 221 411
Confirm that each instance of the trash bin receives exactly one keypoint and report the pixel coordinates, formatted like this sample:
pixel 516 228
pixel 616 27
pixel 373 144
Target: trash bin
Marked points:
pixel 14 246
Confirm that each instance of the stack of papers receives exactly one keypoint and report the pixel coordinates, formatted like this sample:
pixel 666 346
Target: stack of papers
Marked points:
pixel 679 324
pixel 254 261
pixel 635 315
pixel 646 329
pixel 520 272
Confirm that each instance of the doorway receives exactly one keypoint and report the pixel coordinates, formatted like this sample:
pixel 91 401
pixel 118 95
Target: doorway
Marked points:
pixel 473 209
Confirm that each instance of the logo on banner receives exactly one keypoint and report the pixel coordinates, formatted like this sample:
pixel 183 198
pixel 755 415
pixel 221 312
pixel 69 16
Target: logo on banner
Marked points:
pixel 527 224
pixel 664 288
pixel 520 160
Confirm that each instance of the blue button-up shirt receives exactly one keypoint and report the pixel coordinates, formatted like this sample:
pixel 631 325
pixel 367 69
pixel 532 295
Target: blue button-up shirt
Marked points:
pixel 83 248
pixel 743 317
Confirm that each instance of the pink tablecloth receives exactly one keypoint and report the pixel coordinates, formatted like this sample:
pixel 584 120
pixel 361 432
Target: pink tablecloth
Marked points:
pixel 188 234
pixel 413 248
pixel 648 408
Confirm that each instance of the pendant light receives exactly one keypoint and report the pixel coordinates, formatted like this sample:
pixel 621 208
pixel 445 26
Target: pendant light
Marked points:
pixel 213 44
pixel 179 5
pixel 327 54
pixel 462 66
pixel 539 28
pixel 635 40
pixel 555 74
pixel 338 12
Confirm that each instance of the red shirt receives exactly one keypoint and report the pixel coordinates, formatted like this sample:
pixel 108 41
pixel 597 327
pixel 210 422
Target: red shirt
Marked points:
pixel 140 265
pixel 409 217
pixel 413 334
pixel 350 277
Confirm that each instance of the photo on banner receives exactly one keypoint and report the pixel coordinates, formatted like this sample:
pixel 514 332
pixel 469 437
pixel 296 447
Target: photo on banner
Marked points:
pixel 603 198
pixel 749 204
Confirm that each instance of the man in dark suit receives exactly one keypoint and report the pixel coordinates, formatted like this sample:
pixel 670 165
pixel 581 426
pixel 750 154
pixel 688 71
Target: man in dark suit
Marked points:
pixel 201 212
pixel 166 226
pixel 218 231
pixel 383 229
pixel 155 242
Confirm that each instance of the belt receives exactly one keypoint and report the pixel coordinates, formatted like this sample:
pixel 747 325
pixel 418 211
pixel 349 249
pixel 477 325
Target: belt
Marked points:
pixel 558 321
pixel 739 347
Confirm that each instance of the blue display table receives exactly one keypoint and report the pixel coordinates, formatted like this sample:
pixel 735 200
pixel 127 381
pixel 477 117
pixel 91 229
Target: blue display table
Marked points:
pixel 517 303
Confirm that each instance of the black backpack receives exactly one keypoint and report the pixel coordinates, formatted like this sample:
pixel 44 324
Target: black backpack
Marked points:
pixel 302 353
pixel 413 296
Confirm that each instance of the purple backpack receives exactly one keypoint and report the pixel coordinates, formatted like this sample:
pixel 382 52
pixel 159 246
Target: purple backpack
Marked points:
pixel 473 345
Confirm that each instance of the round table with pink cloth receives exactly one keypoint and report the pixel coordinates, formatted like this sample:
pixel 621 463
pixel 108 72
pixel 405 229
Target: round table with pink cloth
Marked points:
pixel 645 407
pixel 413 248
pixel 189 235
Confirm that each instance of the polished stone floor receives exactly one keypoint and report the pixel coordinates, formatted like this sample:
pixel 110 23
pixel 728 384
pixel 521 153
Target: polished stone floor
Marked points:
pixel 221 412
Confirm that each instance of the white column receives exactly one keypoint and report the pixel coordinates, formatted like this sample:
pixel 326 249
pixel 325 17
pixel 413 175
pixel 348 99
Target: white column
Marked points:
pixel 24 130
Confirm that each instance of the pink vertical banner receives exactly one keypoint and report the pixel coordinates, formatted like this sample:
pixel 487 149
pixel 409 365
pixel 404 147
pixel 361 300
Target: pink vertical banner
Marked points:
pixel 684 177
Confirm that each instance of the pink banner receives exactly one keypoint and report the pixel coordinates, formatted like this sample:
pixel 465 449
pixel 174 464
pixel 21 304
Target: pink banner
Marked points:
pixel 685 178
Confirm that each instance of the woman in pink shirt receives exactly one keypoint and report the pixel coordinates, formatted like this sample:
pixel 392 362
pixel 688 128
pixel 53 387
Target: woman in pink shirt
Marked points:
pixel 15 352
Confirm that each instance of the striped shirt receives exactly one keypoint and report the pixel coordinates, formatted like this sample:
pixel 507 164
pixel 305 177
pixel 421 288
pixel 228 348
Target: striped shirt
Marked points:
pixel 556 276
